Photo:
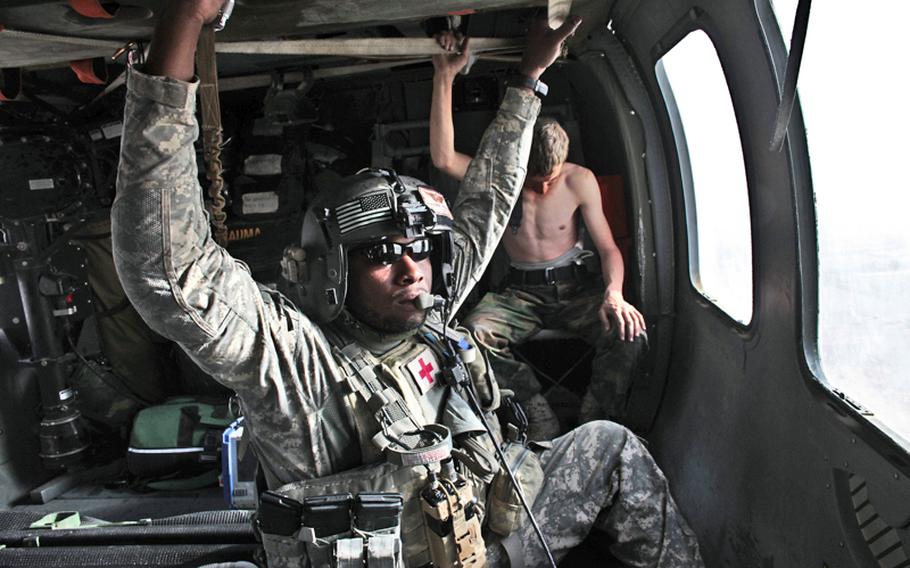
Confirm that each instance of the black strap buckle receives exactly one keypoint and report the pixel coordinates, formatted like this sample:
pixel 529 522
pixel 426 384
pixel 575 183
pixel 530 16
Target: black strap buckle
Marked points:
pixel 513 414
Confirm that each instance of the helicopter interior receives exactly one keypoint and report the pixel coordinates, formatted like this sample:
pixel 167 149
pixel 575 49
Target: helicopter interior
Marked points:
pixel 787 474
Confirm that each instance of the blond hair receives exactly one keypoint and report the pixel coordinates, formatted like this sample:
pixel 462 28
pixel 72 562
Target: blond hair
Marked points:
pixel 550 147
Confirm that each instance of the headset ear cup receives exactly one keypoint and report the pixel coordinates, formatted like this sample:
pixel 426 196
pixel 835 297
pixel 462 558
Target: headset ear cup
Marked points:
pixel 321 287
pixel 330 297
pixel 371 205
pixel 443 269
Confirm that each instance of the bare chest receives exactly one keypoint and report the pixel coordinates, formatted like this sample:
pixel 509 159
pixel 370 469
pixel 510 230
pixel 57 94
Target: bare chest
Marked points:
pixel 548 227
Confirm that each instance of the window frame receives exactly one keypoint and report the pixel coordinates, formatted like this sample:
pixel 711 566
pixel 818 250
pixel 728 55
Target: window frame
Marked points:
pixel 688 183
pixel 869 428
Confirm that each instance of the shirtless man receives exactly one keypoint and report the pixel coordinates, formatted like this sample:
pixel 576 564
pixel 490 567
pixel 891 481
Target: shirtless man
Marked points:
pixel 547 283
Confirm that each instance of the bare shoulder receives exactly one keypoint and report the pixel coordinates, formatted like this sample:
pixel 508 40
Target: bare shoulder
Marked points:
pixel 579 178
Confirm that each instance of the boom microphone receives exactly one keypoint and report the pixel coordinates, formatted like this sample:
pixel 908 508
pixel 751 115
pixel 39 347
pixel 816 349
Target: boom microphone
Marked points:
pixel 426 301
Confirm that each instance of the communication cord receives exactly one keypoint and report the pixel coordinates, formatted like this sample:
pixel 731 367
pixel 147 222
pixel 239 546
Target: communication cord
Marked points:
pixel 472 397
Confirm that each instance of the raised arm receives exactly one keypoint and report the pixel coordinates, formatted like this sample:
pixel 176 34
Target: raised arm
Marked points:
pixel 614 309
pixel 442 131
pixel 185 286
pixel 173 48
pixel 493 180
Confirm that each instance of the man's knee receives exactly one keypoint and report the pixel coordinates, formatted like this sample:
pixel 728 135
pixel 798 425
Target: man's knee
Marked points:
pixel 601 439
pixel 614 370
pixel 609 339
pixel 604 431
pixel 640 343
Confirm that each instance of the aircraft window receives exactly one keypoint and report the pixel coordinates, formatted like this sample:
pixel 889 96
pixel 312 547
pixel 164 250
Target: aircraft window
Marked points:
pixel 714 176
pixel 854 102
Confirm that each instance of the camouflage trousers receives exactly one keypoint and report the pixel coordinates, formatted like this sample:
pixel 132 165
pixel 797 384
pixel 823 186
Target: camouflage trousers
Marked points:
pixel 511 316
pixel 600 480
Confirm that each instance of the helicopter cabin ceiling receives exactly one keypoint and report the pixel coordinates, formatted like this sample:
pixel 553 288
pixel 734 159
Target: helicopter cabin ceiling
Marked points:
pixel 43 33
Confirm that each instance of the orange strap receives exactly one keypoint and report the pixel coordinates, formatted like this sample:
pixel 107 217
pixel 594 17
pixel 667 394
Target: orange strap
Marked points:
pixel 93 9
pixel 90 71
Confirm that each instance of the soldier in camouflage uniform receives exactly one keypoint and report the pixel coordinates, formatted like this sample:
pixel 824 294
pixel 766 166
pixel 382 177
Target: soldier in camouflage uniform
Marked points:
pixel 280 360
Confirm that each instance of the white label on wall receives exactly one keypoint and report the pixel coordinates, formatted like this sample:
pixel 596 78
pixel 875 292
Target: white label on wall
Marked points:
pixel 112 129
pixel 262 165
pixel 263 127
pixel 38 184
pixel 262 202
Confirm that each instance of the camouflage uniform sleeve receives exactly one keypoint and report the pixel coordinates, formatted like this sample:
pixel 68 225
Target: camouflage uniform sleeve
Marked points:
pixel 491 186
pixel 185 286
pixel 190 290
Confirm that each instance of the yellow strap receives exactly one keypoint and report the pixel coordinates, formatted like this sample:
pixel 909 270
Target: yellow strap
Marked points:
pixel 72 520
pixel 58 520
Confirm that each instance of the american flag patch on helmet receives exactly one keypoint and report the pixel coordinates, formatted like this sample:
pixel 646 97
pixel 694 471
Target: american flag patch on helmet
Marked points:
pixel 369 209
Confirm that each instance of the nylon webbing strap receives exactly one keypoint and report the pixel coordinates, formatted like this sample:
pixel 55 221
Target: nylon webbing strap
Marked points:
pixel 424 455
pixel 210 108
pixel 465 532
pixel 788 97
pixel 388 409
pixel 94 9
pixel 382 551
pixel 90 71
pixel 349 552
pixel 373 48
pixel 399 431
pixel 358 369
pixel 72 520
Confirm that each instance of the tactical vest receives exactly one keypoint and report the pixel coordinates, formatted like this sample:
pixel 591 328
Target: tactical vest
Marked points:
pixel 389 398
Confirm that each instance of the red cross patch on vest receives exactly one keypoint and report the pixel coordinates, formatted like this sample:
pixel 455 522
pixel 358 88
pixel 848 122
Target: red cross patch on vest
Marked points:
pixel 424 370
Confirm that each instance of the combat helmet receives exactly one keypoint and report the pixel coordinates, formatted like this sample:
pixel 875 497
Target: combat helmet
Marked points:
pixel 369 207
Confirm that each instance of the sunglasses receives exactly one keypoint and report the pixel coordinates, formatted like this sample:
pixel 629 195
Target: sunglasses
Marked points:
pixel 390 253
